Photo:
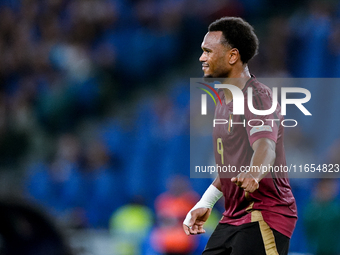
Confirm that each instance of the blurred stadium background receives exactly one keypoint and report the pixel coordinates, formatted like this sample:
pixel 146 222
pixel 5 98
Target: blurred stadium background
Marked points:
pixel 94 105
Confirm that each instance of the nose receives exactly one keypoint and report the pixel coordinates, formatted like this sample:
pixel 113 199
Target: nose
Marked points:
pixel 203 57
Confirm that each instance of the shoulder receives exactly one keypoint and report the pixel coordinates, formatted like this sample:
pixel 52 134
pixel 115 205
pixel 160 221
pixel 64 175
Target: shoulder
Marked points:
pixel 261 95
pixel 259 90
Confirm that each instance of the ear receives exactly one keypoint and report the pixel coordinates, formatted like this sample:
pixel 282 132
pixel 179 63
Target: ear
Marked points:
pixel 234 55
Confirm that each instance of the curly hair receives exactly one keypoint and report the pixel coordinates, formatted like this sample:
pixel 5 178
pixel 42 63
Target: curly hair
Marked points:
pixel 238 34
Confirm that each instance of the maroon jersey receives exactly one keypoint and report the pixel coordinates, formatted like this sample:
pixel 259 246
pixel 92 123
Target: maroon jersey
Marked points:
pixel 233 147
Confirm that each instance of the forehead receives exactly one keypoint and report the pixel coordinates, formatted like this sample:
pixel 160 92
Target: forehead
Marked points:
pixel 212 39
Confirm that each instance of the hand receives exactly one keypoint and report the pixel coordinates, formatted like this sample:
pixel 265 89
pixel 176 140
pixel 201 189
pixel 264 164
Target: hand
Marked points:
pixel 198 217
pixel 246 181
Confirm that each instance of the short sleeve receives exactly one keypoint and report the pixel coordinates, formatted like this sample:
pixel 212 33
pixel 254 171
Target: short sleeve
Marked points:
pixel 262 126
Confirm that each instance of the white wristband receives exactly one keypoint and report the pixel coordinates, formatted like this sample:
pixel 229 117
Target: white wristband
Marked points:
pixel 208 200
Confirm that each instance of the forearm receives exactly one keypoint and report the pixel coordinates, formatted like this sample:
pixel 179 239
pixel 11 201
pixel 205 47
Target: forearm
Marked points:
pixel 263 156
pixel 208 200
pixel 217 183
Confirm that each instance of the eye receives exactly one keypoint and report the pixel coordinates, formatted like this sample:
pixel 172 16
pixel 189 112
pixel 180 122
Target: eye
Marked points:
pixel 206 50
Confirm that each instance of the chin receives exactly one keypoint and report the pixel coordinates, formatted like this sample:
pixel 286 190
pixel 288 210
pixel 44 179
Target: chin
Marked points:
pixel 207 78
pixel 211 78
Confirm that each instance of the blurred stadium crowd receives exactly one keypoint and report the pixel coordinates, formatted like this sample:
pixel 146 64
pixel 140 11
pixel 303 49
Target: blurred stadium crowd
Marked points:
pixel 94 104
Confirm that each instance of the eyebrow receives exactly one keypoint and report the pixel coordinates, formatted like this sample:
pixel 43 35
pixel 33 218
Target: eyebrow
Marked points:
pixel 206 49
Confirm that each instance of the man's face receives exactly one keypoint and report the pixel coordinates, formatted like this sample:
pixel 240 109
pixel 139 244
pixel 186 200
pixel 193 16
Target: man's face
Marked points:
pixel 215 56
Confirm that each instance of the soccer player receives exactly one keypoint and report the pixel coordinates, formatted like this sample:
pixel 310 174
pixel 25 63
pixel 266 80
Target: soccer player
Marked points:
pixel 260 210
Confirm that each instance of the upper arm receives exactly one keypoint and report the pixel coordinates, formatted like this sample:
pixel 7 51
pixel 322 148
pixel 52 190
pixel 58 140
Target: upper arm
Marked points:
pixel 262 126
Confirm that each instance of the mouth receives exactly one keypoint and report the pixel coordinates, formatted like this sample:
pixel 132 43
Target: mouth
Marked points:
pixel 204 67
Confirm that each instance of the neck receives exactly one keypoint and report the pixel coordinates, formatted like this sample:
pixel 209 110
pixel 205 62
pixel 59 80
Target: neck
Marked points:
pixel 237 77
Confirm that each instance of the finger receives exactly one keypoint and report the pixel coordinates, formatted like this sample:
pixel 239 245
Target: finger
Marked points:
pixel 236 180
pixel 200 230
pixel 244 185
pixel 240 179
pixel 248 189
pixel 247 186
pixel 192 221
pixel 237 183
pixel 253 185
pixel 193 230
pixel 186 230
pixel 251 188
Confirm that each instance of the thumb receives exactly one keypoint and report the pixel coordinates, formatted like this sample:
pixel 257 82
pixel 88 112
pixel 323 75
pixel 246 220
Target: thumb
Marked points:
pixel 188 223
pixel 234 179
pixel 192 219
pixel 189 220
